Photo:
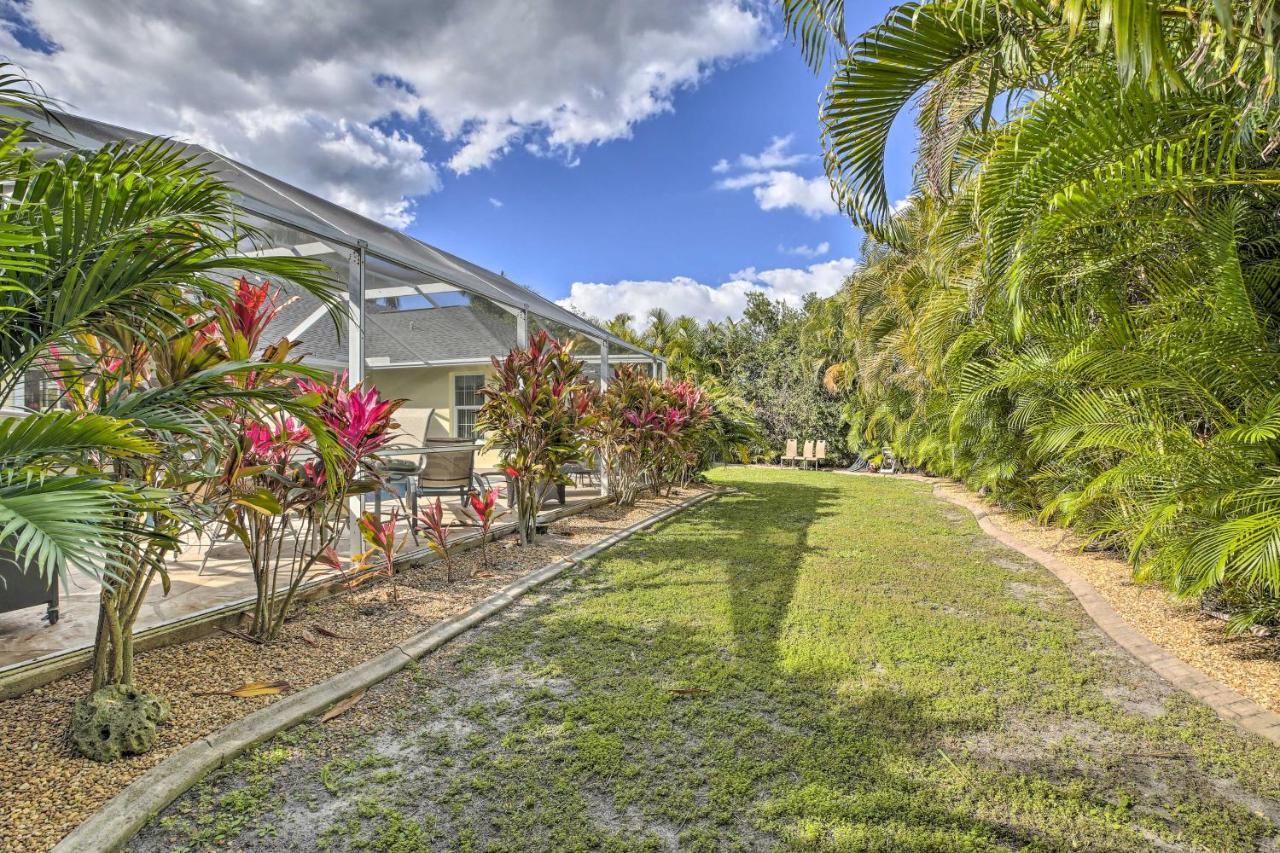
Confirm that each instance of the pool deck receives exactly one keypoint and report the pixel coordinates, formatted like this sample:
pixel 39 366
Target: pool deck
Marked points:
pixel 225 586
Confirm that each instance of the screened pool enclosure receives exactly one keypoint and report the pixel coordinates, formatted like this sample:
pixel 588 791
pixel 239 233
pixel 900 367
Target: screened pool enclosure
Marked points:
pixel 423 323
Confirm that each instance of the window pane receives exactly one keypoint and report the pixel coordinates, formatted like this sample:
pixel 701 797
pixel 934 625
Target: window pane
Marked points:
pixel 466 425
pixel 466 390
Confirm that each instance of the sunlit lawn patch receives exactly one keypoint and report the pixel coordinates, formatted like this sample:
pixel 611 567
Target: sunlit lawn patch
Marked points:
pixel 818 660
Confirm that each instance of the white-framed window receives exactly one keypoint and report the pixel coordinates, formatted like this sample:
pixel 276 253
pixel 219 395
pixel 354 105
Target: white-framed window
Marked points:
pixel 466 403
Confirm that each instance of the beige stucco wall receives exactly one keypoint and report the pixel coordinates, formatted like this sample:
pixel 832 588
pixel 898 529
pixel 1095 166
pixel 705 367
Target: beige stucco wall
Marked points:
pixel 428 392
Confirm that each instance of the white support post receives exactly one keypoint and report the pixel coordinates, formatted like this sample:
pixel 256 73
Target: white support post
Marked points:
pixel 522 329
pixel 605 377
pixel 355 368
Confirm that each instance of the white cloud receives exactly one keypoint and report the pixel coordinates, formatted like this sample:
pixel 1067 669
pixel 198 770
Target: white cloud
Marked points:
pixel 774 156
pixel 806 251
pixel 683 295
pixel 314 93
pixel 496 202
pixel 779 190
pixel 774 185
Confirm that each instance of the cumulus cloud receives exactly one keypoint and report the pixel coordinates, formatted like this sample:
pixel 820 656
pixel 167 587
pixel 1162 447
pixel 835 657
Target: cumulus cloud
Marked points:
pixel 775 155
pixel 496 202
pixel 317 95
pixel 774 185
pixel 806 251
pixel 779 190
pixel 683 295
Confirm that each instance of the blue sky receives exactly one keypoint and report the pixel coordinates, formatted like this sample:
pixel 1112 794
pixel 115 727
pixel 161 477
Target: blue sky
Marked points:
pixel 647 208
pixel 557 141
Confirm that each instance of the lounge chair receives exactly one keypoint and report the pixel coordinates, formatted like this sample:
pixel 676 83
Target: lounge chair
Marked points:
pixel 809 454
pixel 820 454
pixel 790 454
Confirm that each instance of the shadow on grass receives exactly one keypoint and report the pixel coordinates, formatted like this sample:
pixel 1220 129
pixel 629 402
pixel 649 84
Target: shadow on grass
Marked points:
pixel 719 742
pixel 657 705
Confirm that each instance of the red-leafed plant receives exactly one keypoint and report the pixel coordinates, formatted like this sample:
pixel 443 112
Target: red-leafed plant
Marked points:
pixel 288 478
pixel 622 431
pixel 535 410
pixel 484 509
pixel 684 417
pixel 438 534
pixel 380 535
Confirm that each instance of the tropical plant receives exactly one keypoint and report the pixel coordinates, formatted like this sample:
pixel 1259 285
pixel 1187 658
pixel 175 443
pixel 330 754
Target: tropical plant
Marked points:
pixel 536 408
pixel 439 534
pixel 1077 312
pixel 622 431
pixel 132 241
pixel 484 509
pixel 379 561
pixel 289 482
pixel 680 432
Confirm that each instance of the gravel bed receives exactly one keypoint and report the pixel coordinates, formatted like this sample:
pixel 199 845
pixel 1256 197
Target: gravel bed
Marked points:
pixel 1248 664
pixel 46 789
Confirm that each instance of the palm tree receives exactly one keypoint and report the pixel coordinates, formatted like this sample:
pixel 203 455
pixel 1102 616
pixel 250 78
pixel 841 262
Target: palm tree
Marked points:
pixel 130 237
pixel 621 326
pixel 116 262
pixel 1078 311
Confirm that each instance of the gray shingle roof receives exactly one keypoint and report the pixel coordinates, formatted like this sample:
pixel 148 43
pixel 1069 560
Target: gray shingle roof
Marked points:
pixel 422 335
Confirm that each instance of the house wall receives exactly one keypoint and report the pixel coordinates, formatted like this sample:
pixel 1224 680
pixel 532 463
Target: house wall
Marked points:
pixel 428 412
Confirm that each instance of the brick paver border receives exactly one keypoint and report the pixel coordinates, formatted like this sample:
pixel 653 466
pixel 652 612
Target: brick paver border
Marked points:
pixel 1227 703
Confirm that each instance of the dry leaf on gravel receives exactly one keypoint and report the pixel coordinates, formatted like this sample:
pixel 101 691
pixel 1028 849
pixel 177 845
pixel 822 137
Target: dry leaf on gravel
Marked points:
pixel 342 707
pixel 251 689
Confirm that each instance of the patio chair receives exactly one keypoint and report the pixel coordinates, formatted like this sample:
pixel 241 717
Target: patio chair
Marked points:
pixel 820 454
pixel 448 470
pixel 790 454
pixel 809 454
pixel 888 463
pixel 415 427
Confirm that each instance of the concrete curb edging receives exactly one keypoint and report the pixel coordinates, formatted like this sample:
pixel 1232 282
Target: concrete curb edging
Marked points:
pixel 112 826
pixel 1225 702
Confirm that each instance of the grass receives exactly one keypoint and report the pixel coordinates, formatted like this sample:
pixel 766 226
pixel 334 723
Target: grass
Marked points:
pixel 815 662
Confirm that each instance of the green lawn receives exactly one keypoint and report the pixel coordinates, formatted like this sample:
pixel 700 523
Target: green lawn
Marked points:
pixel 819 660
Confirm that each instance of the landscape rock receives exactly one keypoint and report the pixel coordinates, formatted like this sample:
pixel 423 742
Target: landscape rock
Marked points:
pixel 115 721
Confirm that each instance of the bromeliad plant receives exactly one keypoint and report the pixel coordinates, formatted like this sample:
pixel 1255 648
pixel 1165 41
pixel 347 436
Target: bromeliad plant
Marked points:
pixel 536 408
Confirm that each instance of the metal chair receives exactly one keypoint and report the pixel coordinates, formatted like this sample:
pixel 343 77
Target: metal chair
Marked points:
pixel 448 469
